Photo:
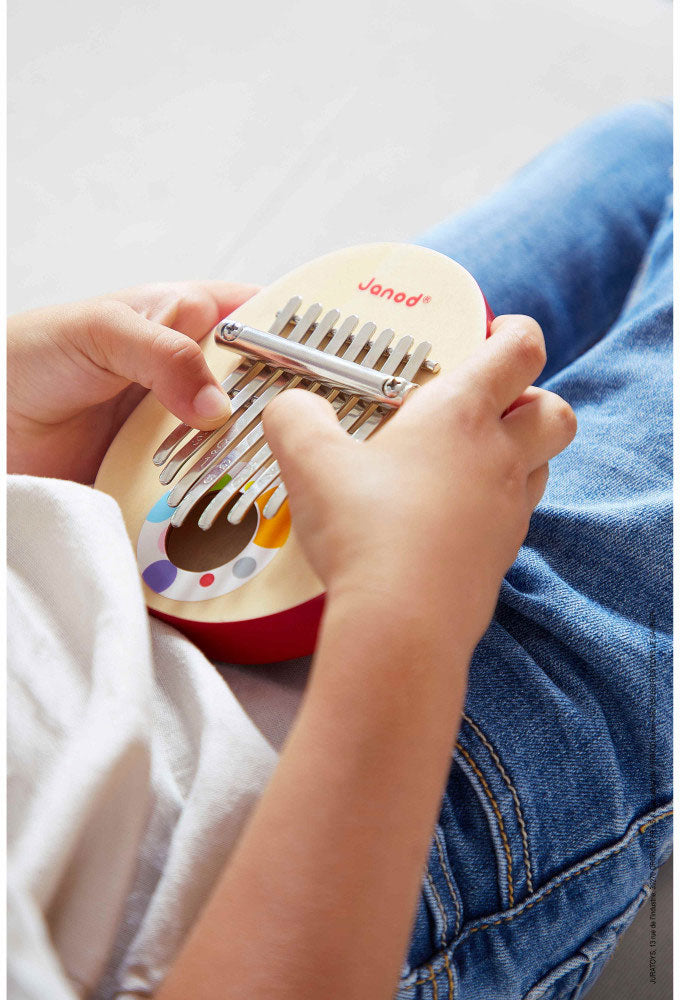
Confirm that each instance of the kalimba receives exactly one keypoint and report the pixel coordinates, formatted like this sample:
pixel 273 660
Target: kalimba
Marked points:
pixel 208 516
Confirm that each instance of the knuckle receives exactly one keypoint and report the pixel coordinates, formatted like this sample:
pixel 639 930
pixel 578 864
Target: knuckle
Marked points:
pixel 177 350
pixel 559 417
pixel 567 419
pixel 529 344
pixel 188 300
pixel 99 322
pixel 105 312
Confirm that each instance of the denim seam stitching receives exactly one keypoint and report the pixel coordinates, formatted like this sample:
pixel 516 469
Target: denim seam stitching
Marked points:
pixel 449 977
pixel 559 881
pixel 432 979
pixel 542 893
pixel 444 867
pixel 499 817
pixel 546 892
pixel 588 967
pixel 513 791
pixel 621 921
pixel 442 911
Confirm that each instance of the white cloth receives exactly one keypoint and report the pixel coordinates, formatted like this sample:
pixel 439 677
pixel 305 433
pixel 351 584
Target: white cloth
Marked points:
pixel 132 766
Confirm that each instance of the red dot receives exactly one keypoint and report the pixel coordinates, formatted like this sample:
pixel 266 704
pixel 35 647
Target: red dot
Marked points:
pixel 206 579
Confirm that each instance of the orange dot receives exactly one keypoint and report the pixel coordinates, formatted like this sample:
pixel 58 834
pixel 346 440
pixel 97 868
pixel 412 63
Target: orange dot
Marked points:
pixel 272 532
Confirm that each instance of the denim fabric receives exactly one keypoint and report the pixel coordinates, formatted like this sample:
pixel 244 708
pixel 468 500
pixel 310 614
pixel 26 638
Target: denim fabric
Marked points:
pixel 557 809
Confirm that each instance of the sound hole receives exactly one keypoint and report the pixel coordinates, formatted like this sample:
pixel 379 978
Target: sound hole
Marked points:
pixel 191 548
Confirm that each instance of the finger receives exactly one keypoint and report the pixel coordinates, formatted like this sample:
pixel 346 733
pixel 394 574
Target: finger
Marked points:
pixel 169 363
pixel 509 361
pixel 536 484
pixel 526 397
pixel 300 426
pixel 542 427
pixel 192 307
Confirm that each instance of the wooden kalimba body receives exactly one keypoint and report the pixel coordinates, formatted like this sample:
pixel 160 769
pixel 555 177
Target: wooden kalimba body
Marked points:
pixel 208 517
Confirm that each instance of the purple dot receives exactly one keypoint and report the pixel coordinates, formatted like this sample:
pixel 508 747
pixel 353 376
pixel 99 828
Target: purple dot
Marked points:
pixel 159 575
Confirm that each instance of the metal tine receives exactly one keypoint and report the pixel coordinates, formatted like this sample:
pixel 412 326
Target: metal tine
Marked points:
pixel 281 321
pixel 180 432
pixel 273 505
pixel 265 478
pixel 246 501
pixel 191 488
pixel 210 468
pixel 375 418
pixel 216 472
pixel 358 342
pixel 393 361
pixel 414 363
pixel 354 348
pixel 252 437
pixel 211 512
pixel 396 356
pixel 236 423
pixel 246 392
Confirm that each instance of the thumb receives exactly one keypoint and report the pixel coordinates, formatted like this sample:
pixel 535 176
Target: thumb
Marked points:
pixel 163 360
pixel 301 429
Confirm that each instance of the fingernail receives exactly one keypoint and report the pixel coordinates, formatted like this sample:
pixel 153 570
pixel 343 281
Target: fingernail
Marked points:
pixel 211 403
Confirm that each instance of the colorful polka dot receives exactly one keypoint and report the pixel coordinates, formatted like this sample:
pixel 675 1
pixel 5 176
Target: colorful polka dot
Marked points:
pixel 272 532
pixel 244 567
pixel 176 584
pixel 159 575
pixel 226 478
pixel 160 510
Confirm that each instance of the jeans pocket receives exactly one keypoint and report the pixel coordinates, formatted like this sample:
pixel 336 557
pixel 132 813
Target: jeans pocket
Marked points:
pixel 571 979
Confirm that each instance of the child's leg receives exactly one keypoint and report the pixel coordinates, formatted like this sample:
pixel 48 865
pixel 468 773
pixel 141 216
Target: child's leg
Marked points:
pixel 556 810
pixel 562 241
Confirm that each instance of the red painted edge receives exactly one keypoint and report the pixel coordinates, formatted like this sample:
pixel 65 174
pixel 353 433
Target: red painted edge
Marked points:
pixel 489 316
pixel 282 636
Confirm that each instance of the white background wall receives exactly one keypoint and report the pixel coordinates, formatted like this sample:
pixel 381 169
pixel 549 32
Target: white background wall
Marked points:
pixel 172 140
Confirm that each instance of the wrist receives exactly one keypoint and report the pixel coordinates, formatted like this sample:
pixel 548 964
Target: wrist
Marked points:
pixel 396 626
pixel 425 612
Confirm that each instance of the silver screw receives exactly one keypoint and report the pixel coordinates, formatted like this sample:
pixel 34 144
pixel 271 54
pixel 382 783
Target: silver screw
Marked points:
pixel 391 386
pixel 230 330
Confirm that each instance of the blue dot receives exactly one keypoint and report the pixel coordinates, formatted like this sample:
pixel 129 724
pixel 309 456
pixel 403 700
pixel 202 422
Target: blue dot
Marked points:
pixel 159 575
pixel 160 510
pixel 244 567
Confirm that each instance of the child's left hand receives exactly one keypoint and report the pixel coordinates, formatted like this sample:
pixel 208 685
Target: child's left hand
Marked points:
pixel 75 372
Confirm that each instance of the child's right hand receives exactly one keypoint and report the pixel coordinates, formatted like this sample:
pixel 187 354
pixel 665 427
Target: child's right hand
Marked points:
pixel 430 512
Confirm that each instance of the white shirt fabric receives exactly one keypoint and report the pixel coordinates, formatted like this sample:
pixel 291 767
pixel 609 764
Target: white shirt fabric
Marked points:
pixel 132 762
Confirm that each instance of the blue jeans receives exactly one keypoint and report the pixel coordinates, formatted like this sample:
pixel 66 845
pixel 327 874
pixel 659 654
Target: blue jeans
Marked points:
pixel 557 809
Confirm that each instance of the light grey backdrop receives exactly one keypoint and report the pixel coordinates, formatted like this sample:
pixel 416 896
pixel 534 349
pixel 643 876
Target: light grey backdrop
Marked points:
pixel 173 140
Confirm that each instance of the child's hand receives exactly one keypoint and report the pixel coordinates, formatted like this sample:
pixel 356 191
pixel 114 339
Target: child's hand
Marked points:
pixel 75 372
pixel 432 510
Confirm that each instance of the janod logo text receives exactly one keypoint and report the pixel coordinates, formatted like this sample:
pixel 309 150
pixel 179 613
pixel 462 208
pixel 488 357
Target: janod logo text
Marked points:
pixel 385 292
